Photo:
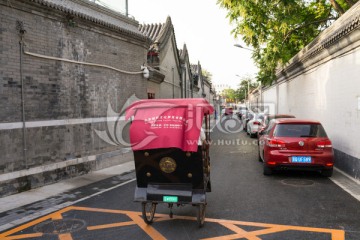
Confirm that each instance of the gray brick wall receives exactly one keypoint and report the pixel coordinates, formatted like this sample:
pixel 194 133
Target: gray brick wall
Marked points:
pixel 57 90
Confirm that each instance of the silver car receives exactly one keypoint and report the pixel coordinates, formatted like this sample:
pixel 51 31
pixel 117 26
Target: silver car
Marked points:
pixel 252 127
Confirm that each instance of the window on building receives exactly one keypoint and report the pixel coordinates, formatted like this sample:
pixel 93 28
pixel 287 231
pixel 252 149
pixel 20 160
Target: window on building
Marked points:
pixel 151 95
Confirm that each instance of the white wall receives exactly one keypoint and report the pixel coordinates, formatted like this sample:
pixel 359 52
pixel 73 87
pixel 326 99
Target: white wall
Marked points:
pixel 328 93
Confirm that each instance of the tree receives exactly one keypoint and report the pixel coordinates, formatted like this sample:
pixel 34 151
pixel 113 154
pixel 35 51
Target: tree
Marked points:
pixel 242 91
pixel 207 75
pixel 277 30
pixel 229 94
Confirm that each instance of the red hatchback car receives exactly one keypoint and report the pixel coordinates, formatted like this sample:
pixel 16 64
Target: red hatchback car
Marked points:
pixel 296 144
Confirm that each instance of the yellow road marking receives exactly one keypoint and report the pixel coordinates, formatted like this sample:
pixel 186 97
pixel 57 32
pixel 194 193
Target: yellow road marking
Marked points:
pixel 23 236
pixel 241 233
pixel 112 225
pixel 66 236
pixel 136 218
pixel 154 234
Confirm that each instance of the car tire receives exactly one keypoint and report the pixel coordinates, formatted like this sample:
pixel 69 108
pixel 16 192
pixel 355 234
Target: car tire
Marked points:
pixel 327 172
pixel 267 171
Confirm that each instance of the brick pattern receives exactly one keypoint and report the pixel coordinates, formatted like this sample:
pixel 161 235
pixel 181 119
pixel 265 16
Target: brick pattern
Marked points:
pixel 59 90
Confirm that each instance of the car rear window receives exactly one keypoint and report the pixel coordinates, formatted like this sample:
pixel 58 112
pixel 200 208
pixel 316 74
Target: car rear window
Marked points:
pixel 261 117
pixel 299 130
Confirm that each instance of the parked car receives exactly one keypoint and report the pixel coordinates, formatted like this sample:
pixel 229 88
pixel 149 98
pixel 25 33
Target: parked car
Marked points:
pixel 246 118
pixel 242 113
pixel 269 117
pixel 254 124
pixel 295 144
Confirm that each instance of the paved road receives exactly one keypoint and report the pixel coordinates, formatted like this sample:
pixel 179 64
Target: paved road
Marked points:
pixel 244 204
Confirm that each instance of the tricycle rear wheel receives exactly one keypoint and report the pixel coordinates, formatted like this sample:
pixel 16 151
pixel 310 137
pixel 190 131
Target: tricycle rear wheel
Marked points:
pixel 148 212
pixel 201 208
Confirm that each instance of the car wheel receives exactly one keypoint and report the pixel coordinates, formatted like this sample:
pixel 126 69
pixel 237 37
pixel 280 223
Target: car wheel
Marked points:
pixel 267 171
pixel 327 172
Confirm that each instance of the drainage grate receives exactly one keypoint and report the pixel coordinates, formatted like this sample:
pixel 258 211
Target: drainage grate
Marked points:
pixel 60 226
pixel 298 182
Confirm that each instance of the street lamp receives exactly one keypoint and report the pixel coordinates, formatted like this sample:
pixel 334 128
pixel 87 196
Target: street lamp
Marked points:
pixel 239 46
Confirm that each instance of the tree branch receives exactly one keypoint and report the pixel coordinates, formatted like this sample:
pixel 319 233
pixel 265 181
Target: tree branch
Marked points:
pixel 337 7
pixel 305 25
pixel 350 2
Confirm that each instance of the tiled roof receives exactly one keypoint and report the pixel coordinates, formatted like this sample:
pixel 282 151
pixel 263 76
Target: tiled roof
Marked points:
pixel 183 53
pixel 159 33
pixel 151 30
pixel 95 13
pixel 194 68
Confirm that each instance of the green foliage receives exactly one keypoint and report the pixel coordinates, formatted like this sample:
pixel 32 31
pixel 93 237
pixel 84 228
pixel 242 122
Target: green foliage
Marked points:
pixel 242 91
pixel 228 93
pixel 207 75
pixel 277 30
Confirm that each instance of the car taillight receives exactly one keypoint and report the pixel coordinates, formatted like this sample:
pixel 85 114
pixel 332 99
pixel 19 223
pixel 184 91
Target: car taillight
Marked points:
pixel 256 123
pixel 275 143
pixel 324 144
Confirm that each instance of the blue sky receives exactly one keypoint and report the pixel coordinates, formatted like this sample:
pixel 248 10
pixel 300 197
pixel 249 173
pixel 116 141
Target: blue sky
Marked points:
pixel 203 26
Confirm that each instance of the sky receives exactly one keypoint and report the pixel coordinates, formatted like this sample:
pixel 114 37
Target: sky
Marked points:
pixel 202 25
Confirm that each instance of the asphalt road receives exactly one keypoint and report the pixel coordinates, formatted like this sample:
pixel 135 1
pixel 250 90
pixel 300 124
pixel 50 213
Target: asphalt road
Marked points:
pixel 244 204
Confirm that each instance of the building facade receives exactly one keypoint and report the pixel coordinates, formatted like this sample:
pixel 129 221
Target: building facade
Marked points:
pixel 59 85
pixel 163 57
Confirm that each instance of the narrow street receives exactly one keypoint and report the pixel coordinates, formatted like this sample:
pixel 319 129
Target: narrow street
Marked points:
pixel 243 204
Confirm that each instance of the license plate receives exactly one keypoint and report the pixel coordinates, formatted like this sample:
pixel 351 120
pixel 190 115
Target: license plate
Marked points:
pixel 170 199
pixel 300 159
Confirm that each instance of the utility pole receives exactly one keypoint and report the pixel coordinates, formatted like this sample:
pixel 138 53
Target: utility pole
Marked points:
pixel 127 7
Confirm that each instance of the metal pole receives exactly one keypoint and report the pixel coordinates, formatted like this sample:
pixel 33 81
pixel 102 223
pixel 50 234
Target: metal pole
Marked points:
pixel 127 8
pixel 248 89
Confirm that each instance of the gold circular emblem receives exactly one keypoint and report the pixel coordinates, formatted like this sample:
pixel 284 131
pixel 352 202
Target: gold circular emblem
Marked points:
pixel 167 165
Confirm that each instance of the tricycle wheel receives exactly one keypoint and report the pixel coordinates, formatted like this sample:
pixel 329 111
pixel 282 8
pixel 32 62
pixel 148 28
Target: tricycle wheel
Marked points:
pixel 201 214
pixel 148 212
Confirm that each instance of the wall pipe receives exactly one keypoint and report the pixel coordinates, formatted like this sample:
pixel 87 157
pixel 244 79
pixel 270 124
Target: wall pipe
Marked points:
pixel 79 62
pixel 173 81
pixel 20 27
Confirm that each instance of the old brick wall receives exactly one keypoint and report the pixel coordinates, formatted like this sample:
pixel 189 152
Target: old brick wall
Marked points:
pixel 64 102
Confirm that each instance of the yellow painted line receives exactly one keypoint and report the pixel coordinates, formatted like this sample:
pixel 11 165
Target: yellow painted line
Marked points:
pixel 227 237
pixel 24 226
pixel 148 229
pixel 136 218
pixel 103 210
pixel 112 225
pixel 269 230
pixel 240 233
pixel 66 236
pixel 23 236
pixel 56 216
pixel 32 223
